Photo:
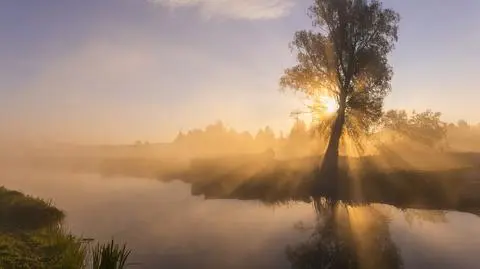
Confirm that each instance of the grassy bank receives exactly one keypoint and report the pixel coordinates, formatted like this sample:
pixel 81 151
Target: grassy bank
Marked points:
pixel 32 237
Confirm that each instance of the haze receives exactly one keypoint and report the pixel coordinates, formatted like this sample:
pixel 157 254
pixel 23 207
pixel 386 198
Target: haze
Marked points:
pixel 117 71
pixel 239 134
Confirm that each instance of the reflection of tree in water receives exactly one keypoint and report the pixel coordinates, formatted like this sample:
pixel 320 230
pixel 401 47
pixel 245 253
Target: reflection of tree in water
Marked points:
pixel 347 237
pixel 415 216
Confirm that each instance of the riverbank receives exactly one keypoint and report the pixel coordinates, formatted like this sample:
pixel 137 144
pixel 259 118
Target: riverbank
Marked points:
pixel 31 235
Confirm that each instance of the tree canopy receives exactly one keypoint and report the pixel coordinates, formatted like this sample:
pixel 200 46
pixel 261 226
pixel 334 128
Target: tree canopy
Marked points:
pixel 345 57
pixel 425 127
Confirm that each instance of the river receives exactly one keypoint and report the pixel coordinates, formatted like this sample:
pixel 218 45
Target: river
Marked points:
pixel 167 227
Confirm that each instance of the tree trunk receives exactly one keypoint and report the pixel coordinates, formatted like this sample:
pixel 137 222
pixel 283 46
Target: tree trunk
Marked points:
pixel 327 180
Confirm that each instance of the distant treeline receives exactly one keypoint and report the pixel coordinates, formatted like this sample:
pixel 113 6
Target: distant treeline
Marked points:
pixel 397 131
pixel 217 139
pixel 396 128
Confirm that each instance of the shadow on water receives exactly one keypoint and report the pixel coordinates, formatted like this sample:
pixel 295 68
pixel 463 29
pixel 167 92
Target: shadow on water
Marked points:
pixel 346 236
pixel 350 231
pixel 274 181
pixel 438 181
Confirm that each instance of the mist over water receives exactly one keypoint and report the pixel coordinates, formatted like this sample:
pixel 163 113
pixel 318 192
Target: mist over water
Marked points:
pixel 239 134
pixel 169 227
pixel 217 198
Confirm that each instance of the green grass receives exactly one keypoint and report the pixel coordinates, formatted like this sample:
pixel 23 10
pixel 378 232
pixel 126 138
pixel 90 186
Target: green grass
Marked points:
pixel 109 256
pixel 32 237
pixel 46 248
pixel 21 212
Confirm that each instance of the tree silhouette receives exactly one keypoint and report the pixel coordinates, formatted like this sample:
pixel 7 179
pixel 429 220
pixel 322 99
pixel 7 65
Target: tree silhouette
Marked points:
pixel 425 128
pixel 462 124
pixel 345 57
pixel 266 137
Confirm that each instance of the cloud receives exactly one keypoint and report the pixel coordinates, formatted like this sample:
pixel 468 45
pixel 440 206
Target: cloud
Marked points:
pixel 235 9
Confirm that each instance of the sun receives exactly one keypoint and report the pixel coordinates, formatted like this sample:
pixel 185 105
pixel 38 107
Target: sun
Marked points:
pixel 329 103
pixel 320 107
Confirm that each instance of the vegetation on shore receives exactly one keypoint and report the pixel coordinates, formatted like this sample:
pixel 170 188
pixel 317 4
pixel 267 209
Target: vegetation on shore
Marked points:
pixel 32 237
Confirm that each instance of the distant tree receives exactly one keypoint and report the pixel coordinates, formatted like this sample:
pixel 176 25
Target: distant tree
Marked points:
pixel 426 127
pixel 179 138
pixel 395 123
pixel 463 125
pixel 346 58
pixel 299 130
pixel 296 143
pixel 396 120
pixel 216 128
pixel 265 136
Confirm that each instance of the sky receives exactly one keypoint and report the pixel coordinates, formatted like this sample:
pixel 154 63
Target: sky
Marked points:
pixel 117 71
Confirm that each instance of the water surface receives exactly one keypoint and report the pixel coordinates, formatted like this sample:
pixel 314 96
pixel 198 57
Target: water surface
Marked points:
pixel 167 227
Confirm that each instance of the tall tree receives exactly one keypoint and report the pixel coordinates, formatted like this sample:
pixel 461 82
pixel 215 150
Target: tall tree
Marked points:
pixel 345 57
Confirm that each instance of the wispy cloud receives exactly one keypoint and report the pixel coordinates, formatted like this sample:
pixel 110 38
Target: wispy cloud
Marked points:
pixel 235 9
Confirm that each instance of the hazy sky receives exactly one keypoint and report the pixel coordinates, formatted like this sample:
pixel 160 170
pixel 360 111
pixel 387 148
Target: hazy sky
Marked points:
pixel 109 71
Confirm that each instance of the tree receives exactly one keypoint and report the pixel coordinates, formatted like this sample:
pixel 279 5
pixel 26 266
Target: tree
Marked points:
pixel 265 138
pixel 179 138
pixel 425 128
pixel 345 57
pixel 463 125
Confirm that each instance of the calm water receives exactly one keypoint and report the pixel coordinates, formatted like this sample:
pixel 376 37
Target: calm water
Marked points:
pixel 169 228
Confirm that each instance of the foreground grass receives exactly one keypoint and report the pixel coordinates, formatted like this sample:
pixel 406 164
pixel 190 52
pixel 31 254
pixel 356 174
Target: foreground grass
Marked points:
pixel 46 248
pixel 32 237
pixel 111 255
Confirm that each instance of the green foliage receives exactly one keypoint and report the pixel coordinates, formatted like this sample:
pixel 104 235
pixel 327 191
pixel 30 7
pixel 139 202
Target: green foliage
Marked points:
pixel 59 249
pixel 109 256
pixel 18 211
pixel 32 237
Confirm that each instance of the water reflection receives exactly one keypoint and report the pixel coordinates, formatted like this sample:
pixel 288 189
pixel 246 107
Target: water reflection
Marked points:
pixel 347 236
pixel 220 227
pixel 357 233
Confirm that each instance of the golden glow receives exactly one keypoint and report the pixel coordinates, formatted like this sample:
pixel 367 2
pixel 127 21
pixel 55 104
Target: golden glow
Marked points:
pixel 329 103
pixel 320 107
